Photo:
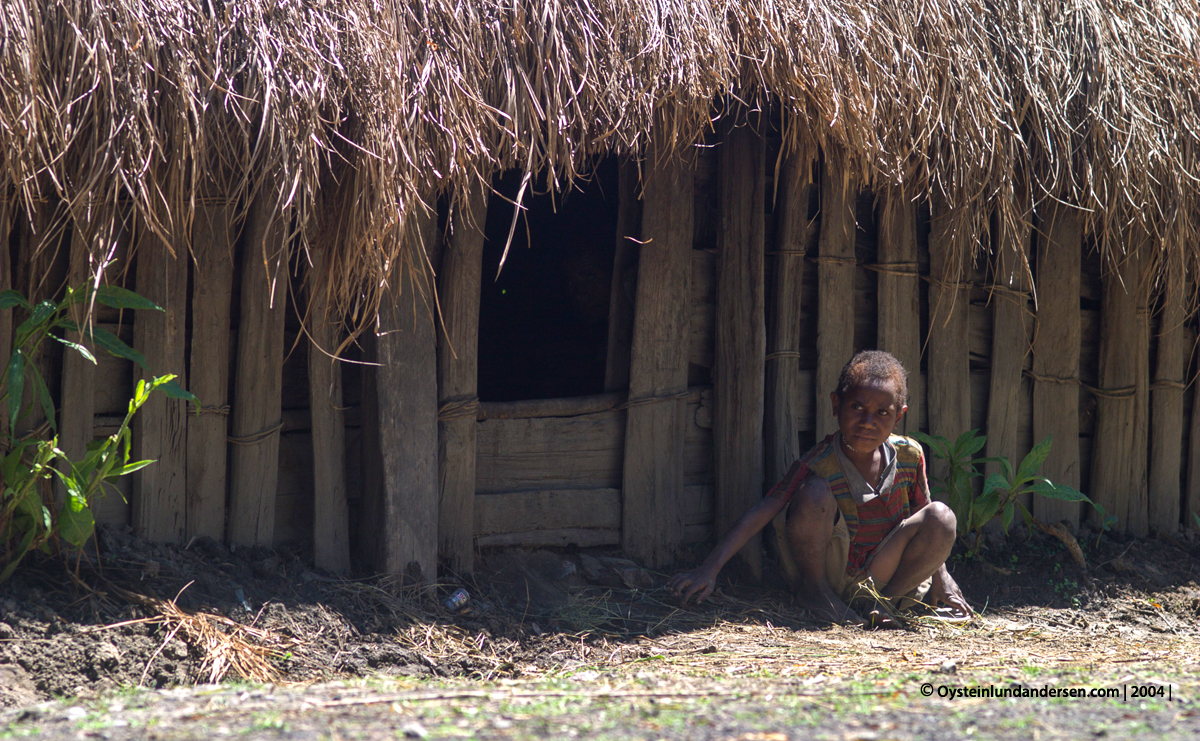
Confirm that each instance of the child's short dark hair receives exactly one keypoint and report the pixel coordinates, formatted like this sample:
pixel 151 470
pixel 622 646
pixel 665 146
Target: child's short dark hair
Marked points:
pixel 874 365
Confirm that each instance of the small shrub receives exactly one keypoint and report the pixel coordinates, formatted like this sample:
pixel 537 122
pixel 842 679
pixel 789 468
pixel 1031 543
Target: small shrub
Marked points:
pixel 1002 492
pixel 29 516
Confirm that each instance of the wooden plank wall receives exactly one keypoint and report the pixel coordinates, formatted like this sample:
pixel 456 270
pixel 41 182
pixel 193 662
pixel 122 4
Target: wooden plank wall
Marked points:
pixel 552 475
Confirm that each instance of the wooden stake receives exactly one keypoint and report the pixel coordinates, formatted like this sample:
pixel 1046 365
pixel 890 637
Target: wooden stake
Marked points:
pixel 212 303
pixel 7 213
pixel 258 381
pixel 949 370
pixel 160 427
pixel 900 295
pixel 652 483
pixel 331 514
pixel 784 390
pixel 1166 400
pixel 624 279
pixel 738 377
pixel 1191 513
pixel 78 395
pixel 1056 354
pixel 408 431
pixel 1119 454
pixel 41 238
pixel 1011 324
pixel 458 380
pixel 836 264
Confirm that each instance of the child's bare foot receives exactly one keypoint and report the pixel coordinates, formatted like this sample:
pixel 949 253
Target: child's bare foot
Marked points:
pixel 825 605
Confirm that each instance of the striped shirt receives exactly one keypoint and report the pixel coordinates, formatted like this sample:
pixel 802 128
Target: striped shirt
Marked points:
pixel 868 518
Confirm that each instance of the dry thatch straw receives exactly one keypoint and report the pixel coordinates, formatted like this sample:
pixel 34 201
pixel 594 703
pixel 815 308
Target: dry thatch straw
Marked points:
pixel 358 114
pixel 225 645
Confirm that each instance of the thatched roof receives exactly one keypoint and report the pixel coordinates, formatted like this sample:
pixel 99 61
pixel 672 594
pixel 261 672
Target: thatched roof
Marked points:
pixel 354 111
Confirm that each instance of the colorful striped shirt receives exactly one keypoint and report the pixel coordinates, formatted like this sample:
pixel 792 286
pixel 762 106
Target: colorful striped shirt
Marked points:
pixel 868 522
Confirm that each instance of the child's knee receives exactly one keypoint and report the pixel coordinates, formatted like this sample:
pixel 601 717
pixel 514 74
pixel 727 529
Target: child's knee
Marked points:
pixel 942 519
pixel 812 505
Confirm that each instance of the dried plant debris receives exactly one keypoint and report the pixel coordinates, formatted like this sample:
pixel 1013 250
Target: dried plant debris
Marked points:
pixel 160 616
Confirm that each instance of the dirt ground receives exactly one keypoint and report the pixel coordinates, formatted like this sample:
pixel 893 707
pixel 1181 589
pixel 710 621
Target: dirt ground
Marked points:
pixel 560 643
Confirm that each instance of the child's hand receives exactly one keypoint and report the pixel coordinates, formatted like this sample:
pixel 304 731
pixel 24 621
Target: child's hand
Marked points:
pixel 699 584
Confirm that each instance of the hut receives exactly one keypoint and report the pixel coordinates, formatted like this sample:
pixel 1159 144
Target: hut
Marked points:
pixel 701 208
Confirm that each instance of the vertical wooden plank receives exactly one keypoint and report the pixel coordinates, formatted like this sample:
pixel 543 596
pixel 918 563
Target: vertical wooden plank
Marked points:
pixel 1166 415
pixel 78 396
pixel 368 548
pixel 1056 353
pixel 784 390
pixel 213 237
pixel 160 427
pixel 331 514
pixel 41 238
pixel 1191 513
pixel 652 483
pixel 900 294
pixel 408 433
pixel 1011 320
pixel 738 377
pixel 1121 440
pixel 835 286
pixel 256 416
pixel 624 279
pixel 8 210
pixel 458 379
pixel 949 370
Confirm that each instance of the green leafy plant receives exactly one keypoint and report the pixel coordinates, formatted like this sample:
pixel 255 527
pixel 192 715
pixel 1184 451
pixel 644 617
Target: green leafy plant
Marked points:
pixel 1002 492
pixel 29 516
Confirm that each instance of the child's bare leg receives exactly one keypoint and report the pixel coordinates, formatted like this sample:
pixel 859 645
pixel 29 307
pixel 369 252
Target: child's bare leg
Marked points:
pixel 809 528
pixel 919 547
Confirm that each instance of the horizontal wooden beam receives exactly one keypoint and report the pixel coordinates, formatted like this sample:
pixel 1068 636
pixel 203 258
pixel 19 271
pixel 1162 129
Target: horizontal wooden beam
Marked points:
pixel 581 538
pixel 536 408
pixel 551 509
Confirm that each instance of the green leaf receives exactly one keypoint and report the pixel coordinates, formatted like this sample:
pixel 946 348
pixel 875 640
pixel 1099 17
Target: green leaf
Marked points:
pixel 22 549
pixel 936 443
pixel 123 298
pixel 29 503
pixel 995 482
pixel 1061 492
pixel 15 376
pixel 44 397
pixel 128 468
pixel 76 527
pixel 985 508
pixel 11 298
pixel 1006 516
pixel 1006 467
pixel 86 353
pixel 972 445
pixel 1032 462
pixel 174 391
pixel 113 345
pixel 42 312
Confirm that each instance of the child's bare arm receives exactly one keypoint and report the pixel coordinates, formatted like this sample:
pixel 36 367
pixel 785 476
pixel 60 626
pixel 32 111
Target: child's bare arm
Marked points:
pixel 700 582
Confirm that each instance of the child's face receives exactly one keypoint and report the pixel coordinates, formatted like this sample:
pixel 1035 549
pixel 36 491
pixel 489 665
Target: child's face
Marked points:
pixel 867 413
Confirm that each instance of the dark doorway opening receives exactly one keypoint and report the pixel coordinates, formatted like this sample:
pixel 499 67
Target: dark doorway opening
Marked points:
pixel 543 322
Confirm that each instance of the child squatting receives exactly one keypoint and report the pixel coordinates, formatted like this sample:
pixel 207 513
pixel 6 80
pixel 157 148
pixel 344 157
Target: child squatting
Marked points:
pixel 859 520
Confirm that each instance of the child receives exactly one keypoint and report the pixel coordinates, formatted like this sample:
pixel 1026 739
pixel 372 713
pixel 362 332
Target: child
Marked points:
pixel 859 508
